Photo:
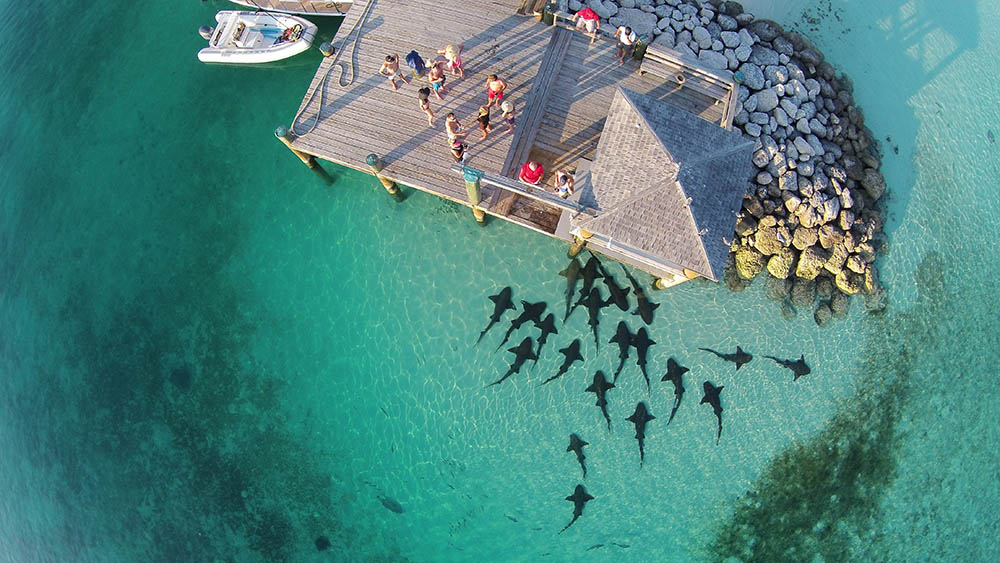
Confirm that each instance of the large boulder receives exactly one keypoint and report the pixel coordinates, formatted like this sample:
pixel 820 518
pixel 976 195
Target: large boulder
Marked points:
pixel 823 314
pixel 803 293
pixel 642 23
pixel 767 30
pixel 829 235
pixel 753 76
pixel 761 55
pixel 873 183
pixel 848 282
pixel 782 263
pixel 804 237
pixel 766 241
pixel 839 304
pixel 777 289
pixel 749 263
pixel 811 263
pixel 767 100
pixel 871 285
pixel 713 59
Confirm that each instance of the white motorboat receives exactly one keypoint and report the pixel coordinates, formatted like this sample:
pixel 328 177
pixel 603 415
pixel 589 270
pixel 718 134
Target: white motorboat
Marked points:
pixel 255 37
pixel 303 7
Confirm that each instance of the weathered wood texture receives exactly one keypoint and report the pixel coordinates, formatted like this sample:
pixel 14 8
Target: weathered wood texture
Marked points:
pixel 350 110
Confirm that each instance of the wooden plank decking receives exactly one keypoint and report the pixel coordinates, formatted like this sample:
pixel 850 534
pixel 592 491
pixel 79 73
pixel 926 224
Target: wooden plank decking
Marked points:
pixel 561 83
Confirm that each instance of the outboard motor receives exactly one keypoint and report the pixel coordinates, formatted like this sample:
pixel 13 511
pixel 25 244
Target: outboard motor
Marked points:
pixel 206 32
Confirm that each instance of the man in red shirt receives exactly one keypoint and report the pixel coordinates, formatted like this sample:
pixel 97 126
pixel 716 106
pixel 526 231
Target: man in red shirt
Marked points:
pixel 588 19
pixel 531 173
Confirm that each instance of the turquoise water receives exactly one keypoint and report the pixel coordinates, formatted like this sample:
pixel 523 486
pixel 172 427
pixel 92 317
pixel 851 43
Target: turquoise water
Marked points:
pixel 209 354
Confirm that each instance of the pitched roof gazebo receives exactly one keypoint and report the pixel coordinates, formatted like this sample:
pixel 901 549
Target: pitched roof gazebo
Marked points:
pixel 667 187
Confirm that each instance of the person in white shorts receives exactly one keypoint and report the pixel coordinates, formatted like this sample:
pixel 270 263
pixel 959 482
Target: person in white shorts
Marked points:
pixel 626 43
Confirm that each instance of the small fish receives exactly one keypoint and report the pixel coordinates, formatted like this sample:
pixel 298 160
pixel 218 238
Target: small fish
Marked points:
pixel 391 504
pixel 511 518
pixel 595 546
pixel 798 367
pixel 621 545
pixel 989 135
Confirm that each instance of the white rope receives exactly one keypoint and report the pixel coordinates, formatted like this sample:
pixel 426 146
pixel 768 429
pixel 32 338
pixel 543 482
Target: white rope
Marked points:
pixel 321 87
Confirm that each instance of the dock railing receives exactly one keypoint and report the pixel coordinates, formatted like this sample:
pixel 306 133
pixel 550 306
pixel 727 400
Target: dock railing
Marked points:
pixel 531 192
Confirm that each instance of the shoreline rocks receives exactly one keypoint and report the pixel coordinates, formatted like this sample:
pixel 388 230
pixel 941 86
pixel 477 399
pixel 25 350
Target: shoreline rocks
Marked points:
pixel 813 214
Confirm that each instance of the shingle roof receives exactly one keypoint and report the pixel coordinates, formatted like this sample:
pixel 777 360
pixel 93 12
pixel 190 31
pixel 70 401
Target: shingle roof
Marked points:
pixel 667 183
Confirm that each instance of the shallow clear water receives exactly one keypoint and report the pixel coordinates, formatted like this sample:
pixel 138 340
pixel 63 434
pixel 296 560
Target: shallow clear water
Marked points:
pixel 206 353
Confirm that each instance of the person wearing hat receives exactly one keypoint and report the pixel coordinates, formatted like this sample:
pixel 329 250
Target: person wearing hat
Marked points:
pixel 508 115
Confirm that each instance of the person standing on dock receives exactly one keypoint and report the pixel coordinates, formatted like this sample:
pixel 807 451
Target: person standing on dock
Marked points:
pixel 531 173
pixel 494 89
pixel 564 184
pixel 508 115
pixel 484 120
pixel 626 43
pixel 425 105
pixel 390 70
pixel 453 127
pixel 589 20
pixel 454 56
pixel 458 151
pixel 436 75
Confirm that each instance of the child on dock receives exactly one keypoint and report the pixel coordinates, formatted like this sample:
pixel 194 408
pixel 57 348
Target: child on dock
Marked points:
pixel 390 70
pixel 494 89
pixel 425 104
pixel 484 120
pixel 508 115
pixel 564 184
pixel 454 56
pixel 458 151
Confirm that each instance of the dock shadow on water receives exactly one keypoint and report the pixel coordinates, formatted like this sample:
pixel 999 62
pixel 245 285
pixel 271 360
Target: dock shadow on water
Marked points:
pixel 822 498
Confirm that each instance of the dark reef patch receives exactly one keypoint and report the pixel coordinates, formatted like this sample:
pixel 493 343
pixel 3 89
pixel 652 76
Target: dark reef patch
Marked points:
pixel 822 497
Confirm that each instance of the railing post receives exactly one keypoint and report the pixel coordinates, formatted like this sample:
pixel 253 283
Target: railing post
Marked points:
pixel 375 163
pixel 285 136
pixel 579 241
pixel 474 190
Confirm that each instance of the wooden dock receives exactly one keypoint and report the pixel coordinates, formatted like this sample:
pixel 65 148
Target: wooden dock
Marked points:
pixel 560 82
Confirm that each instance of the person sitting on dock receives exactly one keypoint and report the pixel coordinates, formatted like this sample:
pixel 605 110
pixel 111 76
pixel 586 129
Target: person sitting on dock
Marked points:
pixel 508 115
pixel 484 120
pixel 626 43
pixel 564 184
pixel 531 173
pixel 425 104
pixel 436 75
pixel 453 127
pixel 589 20
pixel 390 70
pixel 454 56
pixel 458 151
pixel 416 64
pixel 494 89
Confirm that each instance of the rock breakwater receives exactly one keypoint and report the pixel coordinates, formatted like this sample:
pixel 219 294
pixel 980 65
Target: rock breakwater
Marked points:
pixel 813 214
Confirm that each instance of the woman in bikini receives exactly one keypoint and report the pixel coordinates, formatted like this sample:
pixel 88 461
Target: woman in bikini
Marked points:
pixel 425 104
pixel 484 120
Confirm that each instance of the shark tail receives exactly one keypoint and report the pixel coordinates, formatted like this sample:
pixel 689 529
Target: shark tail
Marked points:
pixel 621 365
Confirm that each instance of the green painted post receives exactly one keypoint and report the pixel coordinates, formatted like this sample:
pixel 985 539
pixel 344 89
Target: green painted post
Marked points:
pixel 473 189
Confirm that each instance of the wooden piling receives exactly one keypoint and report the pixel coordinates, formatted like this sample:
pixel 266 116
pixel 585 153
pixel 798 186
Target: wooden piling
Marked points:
pixel 579 241
pixel 474 190
pixel 285 136
pixel 375 163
